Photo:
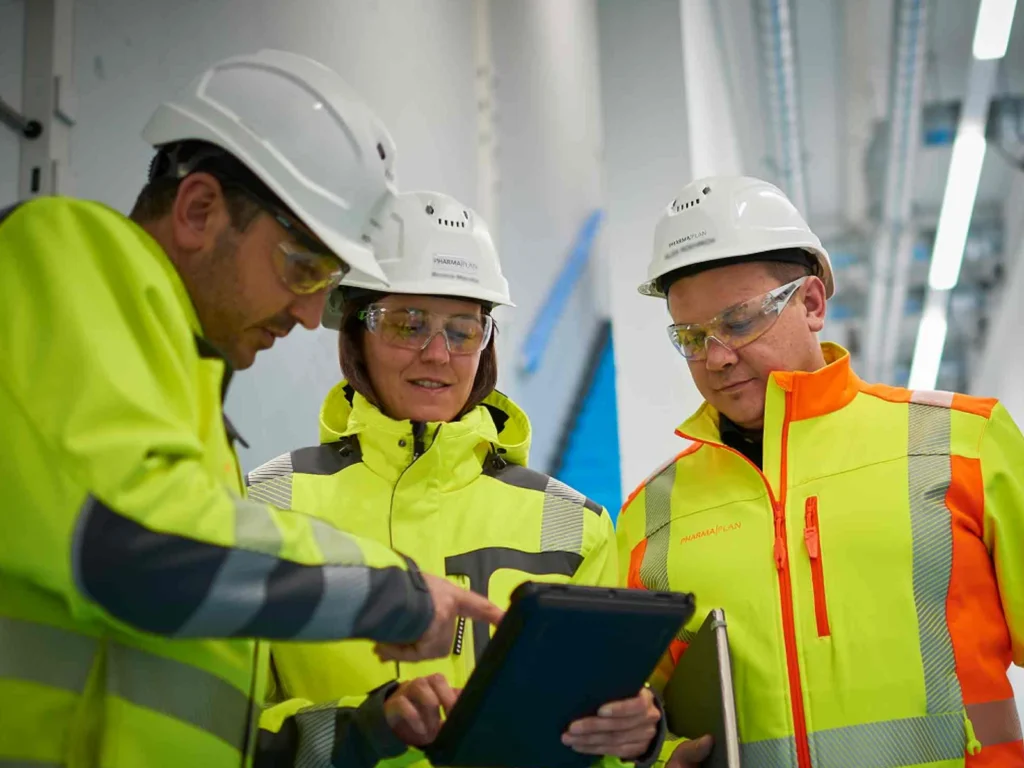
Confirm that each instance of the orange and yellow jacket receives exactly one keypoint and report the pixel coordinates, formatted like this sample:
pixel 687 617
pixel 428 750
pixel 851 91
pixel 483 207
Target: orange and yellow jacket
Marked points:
pixel 872 574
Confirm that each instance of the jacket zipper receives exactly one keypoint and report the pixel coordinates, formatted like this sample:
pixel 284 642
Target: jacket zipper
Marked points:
pixel 812 539
pixel 796 691
pixel 780 553
pixel 418 430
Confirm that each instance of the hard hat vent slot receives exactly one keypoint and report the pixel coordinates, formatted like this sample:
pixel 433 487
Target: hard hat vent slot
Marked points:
pixel 452 223
pixel 678 206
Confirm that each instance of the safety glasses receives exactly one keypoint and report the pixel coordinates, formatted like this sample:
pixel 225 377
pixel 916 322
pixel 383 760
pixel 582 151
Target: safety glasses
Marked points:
pixel 735 327
pixel 303 264
pixel 415 328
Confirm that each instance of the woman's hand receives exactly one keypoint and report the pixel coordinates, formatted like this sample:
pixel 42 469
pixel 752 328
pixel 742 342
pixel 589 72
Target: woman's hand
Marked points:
pixel 413 711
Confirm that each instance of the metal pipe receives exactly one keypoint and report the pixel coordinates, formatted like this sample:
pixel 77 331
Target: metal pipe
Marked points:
pixel 778 46
pixel 891 252
pixel 17 122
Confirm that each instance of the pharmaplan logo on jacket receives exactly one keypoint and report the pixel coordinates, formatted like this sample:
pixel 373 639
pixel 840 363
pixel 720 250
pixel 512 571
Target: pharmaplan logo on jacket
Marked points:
pixel 455 268
pixel 713 531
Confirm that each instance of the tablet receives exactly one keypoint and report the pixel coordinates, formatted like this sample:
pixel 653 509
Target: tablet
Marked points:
pixel 699 696
pixel 560 653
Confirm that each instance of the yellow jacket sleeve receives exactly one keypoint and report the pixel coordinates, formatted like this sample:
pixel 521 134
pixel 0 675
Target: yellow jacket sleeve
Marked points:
pixel 1002 467
pixel 600 566
pixel 129 495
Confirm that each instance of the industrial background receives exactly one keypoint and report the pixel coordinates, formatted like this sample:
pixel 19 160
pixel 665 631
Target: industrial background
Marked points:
pixel 569 125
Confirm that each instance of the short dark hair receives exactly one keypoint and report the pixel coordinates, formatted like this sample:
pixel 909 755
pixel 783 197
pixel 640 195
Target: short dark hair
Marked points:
pixel 786 272
pixel 156 198
pixel 353 357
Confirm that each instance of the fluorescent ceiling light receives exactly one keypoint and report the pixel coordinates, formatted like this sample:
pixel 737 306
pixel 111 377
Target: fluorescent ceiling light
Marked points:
pixel 931 339
pixel 957 206
pixel 992 32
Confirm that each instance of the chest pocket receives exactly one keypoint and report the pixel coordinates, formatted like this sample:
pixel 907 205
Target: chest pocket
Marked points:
pixel 563 512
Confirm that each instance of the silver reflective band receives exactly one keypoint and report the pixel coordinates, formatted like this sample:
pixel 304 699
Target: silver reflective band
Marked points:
pixel 180 691
pixel 658 516
pixel 769 753
pixel 37 653
pixel 893 743
pixel 59 658
pixel 929 478
pixel 561 527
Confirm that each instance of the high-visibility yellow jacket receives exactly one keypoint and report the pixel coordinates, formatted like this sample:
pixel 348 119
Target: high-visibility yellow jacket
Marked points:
pixel 458 498
pixel 872 575
pixel 127 548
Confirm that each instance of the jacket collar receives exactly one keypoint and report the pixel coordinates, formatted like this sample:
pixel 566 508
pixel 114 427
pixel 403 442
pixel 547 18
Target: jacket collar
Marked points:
pixel 811 394
pixel 456 450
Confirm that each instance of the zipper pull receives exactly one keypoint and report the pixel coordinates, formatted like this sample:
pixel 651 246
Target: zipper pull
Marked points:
pixel 973 745
pixel 779 549
pixel 811 537
pixel 460 631
pixel 418 430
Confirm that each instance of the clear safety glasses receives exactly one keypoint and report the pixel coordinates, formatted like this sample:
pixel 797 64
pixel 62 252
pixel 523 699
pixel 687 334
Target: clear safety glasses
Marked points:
pixel 735 327
pixel 415 328
pixel 303 264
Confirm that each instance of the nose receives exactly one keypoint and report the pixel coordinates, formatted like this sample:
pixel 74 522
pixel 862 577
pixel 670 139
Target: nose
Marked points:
pixel 436 350
pixel 719 356
pixel 309 309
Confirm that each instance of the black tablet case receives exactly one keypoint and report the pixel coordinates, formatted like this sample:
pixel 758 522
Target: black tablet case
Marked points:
pixel 560 653
pixel 699 695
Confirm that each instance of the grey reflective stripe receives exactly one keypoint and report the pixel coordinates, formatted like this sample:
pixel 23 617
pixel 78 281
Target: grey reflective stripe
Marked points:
pixel 277 467
pixel 344 596
pixel 236 595
pixel 59 658
pixel 893 743
pixel 769 753
pixel 272 482
pixel 317 728
pixel 179 691
pixel 327 459
pixel 658 516
pixel 929 478
pixel 561 527
pixel 514 474
pixel 995 722
pixel 255 529
pixel 337 547
pixel 38 653
pixel 238 591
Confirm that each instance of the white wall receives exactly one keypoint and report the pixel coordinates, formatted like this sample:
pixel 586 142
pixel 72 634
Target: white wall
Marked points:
pixel 713 131
pixel 548 118
pixel 647 161
pixel 12 37
pixel 669 117
pixel 411 59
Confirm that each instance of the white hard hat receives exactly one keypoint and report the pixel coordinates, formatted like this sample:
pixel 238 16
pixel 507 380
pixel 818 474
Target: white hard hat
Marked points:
pixel 430 245
pixel 720 218
pixel 303 132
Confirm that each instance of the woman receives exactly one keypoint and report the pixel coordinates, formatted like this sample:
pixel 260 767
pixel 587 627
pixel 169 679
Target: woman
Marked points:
pixel 419 451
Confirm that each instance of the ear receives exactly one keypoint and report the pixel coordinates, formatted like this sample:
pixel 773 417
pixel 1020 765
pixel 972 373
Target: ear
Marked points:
pixel 199 213
pixel 814 303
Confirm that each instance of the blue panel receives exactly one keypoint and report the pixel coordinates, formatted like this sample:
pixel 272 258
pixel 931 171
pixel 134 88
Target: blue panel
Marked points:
pixel 591 460
pixel 551 310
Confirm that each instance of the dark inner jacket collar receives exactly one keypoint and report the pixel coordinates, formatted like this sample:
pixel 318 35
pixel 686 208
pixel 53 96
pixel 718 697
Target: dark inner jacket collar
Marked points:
pixel 749 442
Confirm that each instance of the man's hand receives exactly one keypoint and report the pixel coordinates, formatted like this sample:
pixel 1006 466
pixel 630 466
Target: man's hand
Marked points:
pixel 690 754
pixel 413 711
pixel 450 602
pixel 621 729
